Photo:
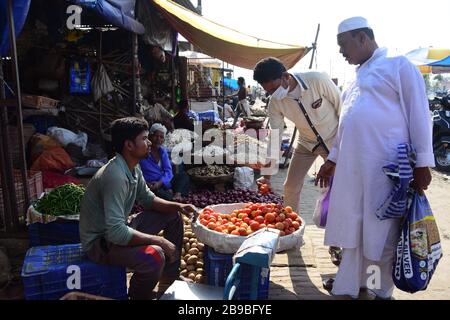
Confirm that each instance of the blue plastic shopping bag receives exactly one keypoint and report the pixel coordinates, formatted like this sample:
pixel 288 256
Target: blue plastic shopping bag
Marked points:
pixel 419 248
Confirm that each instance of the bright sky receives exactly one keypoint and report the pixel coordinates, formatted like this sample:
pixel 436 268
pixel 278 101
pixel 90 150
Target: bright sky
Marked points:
pixel 399 25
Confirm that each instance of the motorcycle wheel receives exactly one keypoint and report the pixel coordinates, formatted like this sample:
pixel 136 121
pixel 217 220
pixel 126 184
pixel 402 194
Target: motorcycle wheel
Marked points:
pixel 442 162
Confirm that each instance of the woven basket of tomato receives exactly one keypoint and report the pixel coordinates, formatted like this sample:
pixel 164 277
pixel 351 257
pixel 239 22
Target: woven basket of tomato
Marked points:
pixel 224 227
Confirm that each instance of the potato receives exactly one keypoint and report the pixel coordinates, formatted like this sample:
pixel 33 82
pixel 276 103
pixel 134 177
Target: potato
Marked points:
pixel 192 260
pixel 183 252
pixel 199 264
pixel 198 278
pixel 185 239
pixel 193 251
pixel 200 246
pixel 186 257
pixel 183 264
pixel 200 254
pixel 194 245
pixel 184 273
pixel 187 246
pixel 190 267
pixel 192 240
pixel 192 275
pixel 188 234
pixel 199 270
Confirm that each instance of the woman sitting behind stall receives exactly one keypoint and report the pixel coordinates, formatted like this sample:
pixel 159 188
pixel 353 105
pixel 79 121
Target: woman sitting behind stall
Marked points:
pixel 157 169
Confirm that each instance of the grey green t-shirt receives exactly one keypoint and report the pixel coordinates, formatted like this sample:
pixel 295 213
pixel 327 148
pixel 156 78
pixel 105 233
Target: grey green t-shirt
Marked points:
pixel 109 199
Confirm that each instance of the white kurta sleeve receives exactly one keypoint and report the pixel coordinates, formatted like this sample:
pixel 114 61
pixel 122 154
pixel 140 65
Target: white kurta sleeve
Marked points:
pixel 415 103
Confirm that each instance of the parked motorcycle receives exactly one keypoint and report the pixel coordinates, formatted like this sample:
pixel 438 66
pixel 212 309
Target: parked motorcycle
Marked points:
pixel 441 135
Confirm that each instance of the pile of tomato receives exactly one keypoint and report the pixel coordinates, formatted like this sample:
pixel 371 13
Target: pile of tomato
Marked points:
pixel 254 216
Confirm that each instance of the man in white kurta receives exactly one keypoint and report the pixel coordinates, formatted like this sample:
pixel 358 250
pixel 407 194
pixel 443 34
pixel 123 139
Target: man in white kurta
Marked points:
pixel 385 106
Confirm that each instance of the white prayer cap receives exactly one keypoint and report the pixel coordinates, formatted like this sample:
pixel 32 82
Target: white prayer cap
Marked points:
pixel 158 127
pixel 353 24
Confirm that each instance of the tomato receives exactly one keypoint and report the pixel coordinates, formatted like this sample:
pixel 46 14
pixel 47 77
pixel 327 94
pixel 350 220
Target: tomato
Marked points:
pixel 292 215
pixel 262 226
pixel 272 226
pixel 270 217
pixel 254 213
pixel 289 221
pixel 249 231
pixel 296 225
pixel 287 231
pixel 234 220
pixel 242 231
pixel 235 233
pixel 205 216
pixel 282 233
pixel 286 224
pixel 279 225
pixel 204 222
pixel 244 225
pixel 218 229
pixel 288 209
pixel 246 220
pixel 231 227
pixel 259 219
pixel 225 231
pixel 281 217
pixel 211 225
pixel 242 215
pixel 292 229
pixel 254 225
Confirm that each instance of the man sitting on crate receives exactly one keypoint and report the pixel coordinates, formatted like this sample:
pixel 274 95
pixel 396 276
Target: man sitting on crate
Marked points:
pixel 110 236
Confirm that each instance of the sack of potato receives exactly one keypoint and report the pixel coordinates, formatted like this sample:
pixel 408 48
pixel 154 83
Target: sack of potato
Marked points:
pixel 192 265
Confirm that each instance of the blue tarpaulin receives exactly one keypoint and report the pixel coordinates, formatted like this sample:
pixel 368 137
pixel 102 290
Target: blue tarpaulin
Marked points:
pixel 441 63
pixel 20 12
pixel 231 83
pixel 118 12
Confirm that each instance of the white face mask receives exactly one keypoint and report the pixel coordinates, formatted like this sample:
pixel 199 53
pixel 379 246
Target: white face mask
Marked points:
pixel 280 93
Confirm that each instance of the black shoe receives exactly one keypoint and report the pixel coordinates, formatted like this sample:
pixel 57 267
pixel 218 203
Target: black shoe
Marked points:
pixel 335 255
pixel 328 284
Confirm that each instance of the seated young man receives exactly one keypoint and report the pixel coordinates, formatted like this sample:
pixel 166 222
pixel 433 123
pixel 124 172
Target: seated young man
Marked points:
pixel 110 236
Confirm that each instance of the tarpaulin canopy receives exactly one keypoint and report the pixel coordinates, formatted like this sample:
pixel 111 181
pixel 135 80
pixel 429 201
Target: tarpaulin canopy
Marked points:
pixel 226 44
pixel 200 58
pixel 118 12
pixel 423 58
pixel 20 11
pixel 441 66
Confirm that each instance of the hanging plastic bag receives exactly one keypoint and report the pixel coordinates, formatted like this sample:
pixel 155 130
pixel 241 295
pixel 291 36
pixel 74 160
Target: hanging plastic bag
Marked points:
pixel 419 248
pixel 243 178
pixel 101 83
pixel 321 209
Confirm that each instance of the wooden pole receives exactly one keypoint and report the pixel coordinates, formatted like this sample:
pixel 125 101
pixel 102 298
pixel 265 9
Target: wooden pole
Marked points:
pixel 23 164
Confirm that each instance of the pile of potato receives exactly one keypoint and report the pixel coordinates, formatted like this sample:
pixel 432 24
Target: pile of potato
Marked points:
pixel 192 265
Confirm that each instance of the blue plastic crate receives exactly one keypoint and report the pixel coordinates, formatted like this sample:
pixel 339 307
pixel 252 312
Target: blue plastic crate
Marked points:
pixel 210 115
pixel 54 233
pixel 218 266
pixel 46 273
